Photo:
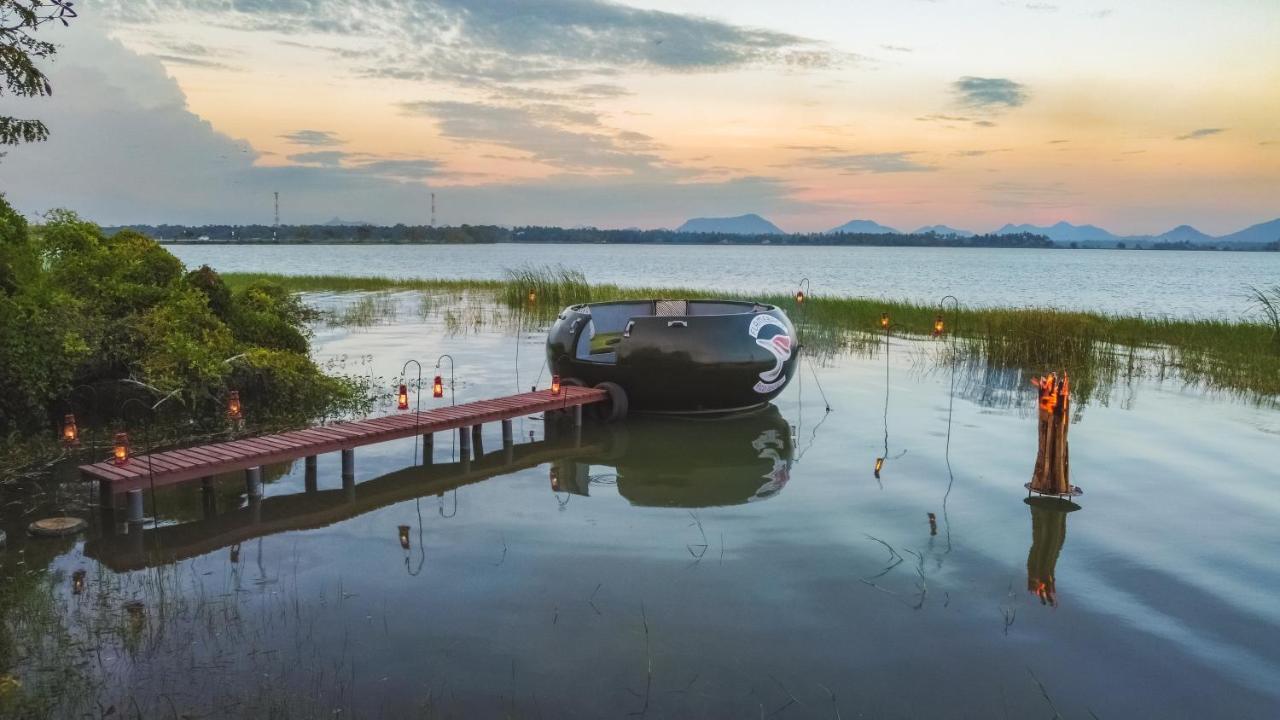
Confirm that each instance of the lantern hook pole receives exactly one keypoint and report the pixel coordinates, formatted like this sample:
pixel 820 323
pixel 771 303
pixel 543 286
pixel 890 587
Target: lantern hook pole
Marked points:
pixel 146 439
pixel 453 394
pixel 417 405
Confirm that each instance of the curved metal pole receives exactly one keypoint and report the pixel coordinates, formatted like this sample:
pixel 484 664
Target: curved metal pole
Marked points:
pixel 951 403
pixel 453 395
pixel 71 401
pixel 417 403
pixel 146 438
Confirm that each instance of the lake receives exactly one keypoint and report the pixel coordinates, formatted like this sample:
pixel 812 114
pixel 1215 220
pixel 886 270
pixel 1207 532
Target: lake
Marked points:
pixel 748 567
pixel 1182 284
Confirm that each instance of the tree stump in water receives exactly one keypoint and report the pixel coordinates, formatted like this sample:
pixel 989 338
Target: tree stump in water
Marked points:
pixel 1051 475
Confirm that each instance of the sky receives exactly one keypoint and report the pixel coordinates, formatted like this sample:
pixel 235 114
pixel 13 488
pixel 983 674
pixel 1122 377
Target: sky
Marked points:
pixel 1136 116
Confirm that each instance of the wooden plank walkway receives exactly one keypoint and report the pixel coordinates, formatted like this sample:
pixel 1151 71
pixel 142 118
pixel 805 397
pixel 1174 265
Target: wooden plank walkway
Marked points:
pixel 177 466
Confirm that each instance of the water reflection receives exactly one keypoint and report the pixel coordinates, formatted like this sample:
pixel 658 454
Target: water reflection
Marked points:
pixel 660 462
pixel 1048 533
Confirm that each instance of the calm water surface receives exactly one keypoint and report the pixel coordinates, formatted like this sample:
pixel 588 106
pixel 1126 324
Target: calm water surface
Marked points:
pixel 685 568
pixel 1185 284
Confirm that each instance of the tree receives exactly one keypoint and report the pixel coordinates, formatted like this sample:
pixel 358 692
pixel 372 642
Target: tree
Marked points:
pixel 19 51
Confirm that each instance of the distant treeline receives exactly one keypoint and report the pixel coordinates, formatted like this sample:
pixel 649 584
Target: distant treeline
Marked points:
pixel 477 234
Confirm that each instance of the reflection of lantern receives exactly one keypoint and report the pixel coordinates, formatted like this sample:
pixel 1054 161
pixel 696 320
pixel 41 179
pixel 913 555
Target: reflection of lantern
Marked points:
pixel 77 582
pixel 120 453
pixel 533 295
pixel 933 524
pixel 402 398
pixel 404 536
pixel 70 433
pixel 799 297
pixel 233 405
pixel 879 465
pixel 235 553
pixel 884 320
pixel 937 326
pixel 555 480
pixel 555 384
pixel 437 387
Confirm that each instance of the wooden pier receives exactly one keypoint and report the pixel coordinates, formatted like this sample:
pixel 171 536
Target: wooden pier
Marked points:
pixel 250 454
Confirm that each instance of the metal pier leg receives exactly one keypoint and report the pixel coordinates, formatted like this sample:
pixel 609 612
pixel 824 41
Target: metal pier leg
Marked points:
pixel 428 448
pixel 135 507
pixel 477 439
pixel 253 481
pixel 348 465
pixel 464 442
pixel 577 416
pixel 508 443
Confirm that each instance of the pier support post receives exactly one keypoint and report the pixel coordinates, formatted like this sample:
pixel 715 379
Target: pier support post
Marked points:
pixel 309 476
pixel 208 498
pixel 477 439
pixel 428 448
pixel 464 442
pixel 135 507
pixel 508 443
pixel 577 416
pixel 348 465
pixel 253 481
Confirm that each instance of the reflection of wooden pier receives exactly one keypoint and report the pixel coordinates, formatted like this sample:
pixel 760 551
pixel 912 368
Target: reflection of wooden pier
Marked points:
pixel 141 548
pixel 205 461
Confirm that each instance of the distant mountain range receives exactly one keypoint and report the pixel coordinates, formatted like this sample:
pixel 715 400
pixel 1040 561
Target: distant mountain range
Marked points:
pixel 1061 232
pixel 750 224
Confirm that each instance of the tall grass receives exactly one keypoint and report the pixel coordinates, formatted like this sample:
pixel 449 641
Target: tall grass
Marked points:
pixel 1096 348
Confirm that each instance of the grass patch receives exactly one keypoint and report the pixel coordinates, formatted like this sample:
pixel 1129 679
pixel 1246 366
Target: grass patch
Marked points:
pixel 1240 357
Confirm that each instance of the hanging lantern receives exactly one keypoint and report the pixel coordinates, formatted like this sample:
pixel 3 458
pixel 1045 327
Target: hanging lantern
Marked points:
pixel 402 398
pixel 799 297
pixel 70 433
pixel 555 384
pixel 884 320
pixel 933 524
pixel 437 387
pixel 533 296
pixel 879 465
pixel 234 410
pixel 120 452
pixel 937 326
pixel 555 479
pixel 404 536
pixel 77 582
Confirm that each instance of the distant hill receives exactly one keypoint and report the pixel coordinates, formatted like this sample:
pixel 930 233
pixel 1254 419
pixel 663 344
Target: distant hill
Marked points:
pixel 1061 232
pixel 943 230
pixel 1184 233
pixel 867 227
pixel 339 222
pixel 1266 232
pixel 750 224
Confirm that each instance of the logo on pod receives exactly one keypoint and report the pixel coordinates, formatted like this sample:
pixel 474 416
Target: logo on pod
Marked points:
pixel 778 343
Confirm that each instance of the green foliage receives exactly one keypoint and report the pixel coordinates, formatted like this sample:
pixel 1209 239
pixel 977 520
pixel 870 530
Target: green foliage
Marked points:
pixel 19 51
pixel 78 308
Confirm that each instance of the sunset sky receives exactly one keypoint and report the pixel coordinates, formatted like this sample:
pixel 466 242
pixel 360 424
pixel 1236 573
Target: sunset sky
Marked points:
pixel 1136 116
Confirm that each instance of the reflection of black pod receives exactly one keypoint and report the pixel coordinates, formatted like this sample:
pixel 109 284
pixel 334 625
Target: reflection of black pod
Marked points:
pixel 677 356
pixel 692 462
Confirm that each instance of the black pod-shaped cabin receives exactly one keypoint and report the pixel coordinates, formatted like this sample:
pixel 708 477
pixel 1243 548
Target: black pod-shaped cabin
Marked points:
pixel 677 356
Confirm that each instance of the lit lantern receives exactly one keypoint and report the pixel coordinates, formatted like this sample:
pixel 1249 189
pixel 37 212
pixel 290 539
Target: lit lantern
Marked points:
pixel 234 411
pixel 402 398
pixel 799 297
pixel 437 387
pixel 120 453
pixel 555 480
pixel 404 536
pixel 884 320
pixel 555 384
pixel 533 296
pixel 937 326
pixel 77 582
pixel 879 465
pixel 70 433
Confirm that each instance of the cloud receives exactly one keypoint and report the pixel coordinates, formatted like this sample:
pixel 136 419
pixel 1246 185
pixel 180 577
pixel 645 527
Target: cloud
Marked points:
pixel 116 109
pixel 464 41
pixel 1042 6
pixel 885 162
pixel 989 93
pixel 192 61
pixel 979 153
pixel 951 120
pixel 1045 195
pixel 896 48
pixel 319 157
pixel 318 138
pixel 1201 133
pixel 562 137
pixel 1058 142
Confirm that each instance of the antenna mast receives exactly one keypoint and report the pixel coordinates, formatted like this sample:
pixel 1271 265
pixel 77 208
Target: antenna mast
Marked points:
pixel 277 194
pixel 433 209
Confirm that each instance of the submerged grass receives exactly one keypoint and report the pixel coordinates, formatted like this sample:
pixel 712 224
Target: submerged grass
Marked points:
pixel 1095 348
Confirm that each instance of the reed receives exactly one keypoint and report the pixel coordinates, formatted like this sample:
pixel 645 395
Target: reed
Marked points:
pixel 1096 348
